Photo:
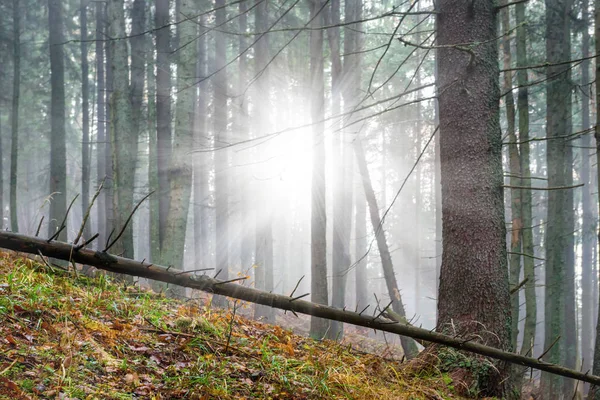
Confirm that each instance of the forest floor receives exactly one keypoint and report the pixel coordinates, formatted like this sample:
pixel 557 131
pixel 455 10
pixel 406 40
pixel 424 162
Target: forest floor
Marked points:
pixel 64 336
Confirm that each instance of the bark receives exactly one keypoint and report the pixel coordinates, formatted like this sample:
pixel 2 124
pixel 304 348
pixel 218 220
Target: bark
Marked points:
pixel 361 276
pixel 112 263
pixel 588 240
pixel 515 181
pixel 163 108
pixel 408 345
pixel 14 118
pixel 1 167
pixel 474 232
pixel 108 153
pixel 318 236
pixel 559 235
pixel 172 250
pixel 222 156
pixel 58 152
pixel 526 212
pixel 123 138
pixel 85 119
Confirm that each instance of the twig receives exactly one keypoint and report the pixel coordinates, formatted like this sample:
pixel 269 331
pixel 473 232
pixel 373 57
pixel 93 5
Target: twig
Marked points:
pixel 193 270
pixel 235 304
pixel 64 222
pixel 549 348
pixel 243 278
pixel 512 3
pixel 87 212
pixel 90 240
pixel 297 284
pixel 37 232
pixel 299 297
pixel 519 286
pixel 127 222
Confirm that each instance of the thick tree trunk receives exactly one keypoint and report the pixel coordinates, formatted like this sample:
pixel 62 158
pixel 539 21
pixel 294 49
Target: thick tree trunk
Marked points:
pixel 559 230
pixel 473 296
pixel 172 250
pixel 222 156
pixel 14 118
pixel 163 108
pixel 408 345
pixel 58 151
pixel 85 119
pixel 319 290
pixel 526 213
pixel 123 138
pixel 112 263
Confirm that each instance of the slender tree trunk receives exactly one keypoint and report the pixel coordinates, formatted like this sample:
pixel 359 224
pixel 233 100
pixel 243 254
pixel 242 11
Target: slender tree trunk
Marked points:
pixel 108 153
pixel 474 232
pixel 201 160
pixel 222 155
pixel 559 234
pixel 138 62
pixel 85 119
pixel 154 200
pixel 163 109
pixel 588 240
pixel 409 346
pixel 361 276
pixel 526 213
pixel 515 180
pixel 58 152
pixel 181 163
pixel 101 122
pixel 264 215
pixel 594 392
pixel 341 218
pixel 123 138
pixel 14 146
pixel 318 327
pixel 1 167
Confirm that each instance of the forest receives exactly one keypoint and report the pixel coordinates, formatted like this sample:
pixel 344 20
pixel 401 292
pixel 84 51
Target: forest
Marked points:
pixel 299 199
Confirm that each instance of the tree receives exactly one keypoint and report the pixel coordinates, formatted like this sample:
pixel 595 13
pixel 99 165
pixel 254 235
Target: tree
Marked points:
pixel 526 213
pixel 318 230
pixel 222 156
pixel 559 287
pixel 14 146
pixel 58 151
pixel 181 164
pixel 85 117
pixel 163 108
pixel 474 243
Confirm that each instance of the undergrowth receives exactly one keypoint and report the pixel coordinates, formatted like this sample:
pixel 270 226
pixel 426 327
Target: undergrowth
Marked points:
pixel 72 337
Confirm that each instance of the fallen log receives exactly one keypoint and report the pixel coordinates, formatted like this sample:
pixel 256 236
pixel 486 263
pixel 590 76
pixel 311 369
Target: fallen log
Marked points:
pixel 112 263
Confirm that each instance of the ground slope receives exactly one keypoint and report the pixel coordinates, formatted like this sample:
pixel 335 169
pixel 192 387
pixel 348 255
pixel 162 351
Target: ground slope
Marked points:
pixel 70 337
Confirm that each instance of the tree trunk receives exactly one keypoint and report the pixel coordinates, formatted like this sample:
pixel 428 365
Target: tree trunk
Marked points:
pixel 122 136
pixel 137 44
pixel 408 345
pixel 515 180
pixel 341 216
pixel 201 160
pixel 588 240
pixel 101 122
pixel 594 392
pixel 163 109
pixel 473 296
pixel 112 263
pixel 559 232
pixel 14 146
pixel 85 119
pixel 58 152
pixel 526 213
pixel 318 326
pixel 222 155
pixel 154 200
pixel 173 247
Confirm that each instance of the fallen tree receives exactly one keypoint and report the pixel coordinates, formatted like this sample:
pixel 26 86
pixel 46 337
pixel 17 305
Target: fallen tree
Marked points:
pixel 112 263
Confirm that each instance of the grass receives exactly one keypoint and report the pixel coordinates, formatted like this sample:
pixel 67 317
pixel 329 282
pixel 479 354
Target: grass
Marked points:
pixel 73 337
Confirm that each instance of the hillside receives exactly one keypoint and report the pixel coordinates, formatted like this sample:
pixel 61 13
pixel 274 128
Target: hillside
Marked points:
pixel 71 337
